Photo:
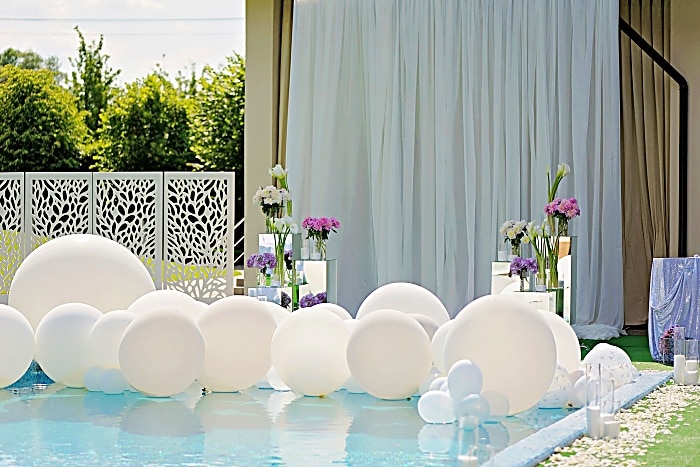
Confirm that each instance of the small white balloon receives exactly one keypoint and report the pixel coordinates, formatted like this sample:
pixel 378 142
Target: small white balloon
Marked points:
pixel 425 385
pixel 615 364
pixel 437 383
pixel 497 402
pixel 92 378
pixel 464 378
pixel 474 405
pixel 112 381
pixel 575 375
pixel 436 407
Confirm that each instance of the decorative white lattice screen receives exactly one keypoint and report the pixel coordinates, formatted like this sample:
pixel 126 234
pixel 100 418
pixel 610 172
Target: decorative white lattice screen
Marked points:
pixel 181 225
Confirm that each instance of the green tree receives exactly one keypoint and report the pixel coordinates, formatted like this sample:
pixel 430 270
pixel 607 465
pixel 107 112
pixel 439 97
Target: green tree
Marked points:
pixel 92 80
pixel 30 60
pixel 41 128
pixel 217 123
pixel 146 127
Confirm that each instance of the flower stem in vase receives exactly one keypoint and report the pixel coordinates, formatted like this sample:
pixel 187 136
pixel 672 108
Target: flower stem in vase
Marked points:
pixel 515 249
pixel 522 281
pixel 321 248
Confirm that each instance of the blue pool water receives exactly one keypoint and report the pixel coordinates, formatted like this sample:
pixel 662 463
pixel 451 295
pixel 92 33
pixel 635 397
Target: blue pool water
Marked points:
pixel 51 424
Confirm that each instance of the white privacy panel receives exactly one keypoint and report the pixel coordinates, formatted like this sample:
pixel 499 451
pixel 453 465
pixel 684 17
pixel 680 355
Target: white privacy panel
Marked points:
pixel 11 227
pixel 199 221
pixel 128 208
pixel 181 225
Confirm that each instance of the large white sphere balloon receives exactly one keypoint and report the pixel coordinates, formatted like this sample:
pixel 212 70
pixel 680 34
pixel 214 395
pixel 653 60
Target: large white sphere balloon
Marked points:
pixel 278 313
pixel 389 354
pixel 308 351
pixel 427 323
pixel 78 268
pixel 405 297
pixel 237 333
pixel 568 347
pixel 62 342
pixel 437 346
pixel 436 407
pixel 166 300
pixel 463 379
pixel 337 309
pixel 16 345
pixel 161 353
pixel 511 343
pixel 105 337
pixel 615 364
pixel 558 394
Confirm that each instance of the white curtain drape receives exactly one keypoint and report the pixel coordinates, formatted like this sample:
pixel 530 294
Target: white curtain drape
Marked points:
pixel 423 125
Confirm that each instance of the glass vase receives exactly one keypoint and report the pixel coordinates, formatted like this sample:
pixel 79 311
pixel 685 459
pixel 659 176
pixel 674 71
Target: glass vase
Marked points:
pixel 557 303
pixel 514 251
pixel 541 283
pixel 321 249
pixel 260 279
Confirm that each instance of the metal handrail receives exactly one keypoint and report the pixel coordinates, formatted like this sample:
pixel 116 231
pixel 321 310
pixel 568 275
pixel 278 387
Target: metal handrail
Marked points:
pixel 682 131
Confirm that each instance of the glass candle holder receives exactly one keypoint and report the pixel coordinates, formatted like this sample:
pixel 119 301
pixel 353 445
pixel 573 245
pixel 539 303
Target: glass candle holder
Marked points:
pixel 679 360
pixel 691 362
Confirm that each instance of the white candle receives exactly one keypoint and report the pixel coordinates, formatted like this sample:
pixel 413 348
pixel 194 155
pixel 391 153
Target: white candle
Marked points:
pixel 605 417
pixel 691 365
pixel 690 377
pixel 466 460
pixel 595 427
pixel 612 429
pixel 679 369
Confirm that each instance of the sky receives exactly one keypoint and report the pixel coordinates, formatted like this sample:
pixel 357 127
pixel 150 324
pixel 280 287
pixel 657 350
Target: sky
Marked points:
pixel 138 34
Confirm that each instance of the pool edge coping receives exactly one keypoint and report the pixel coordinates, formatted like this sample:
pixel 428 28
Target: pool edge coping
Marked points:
pixel 539 446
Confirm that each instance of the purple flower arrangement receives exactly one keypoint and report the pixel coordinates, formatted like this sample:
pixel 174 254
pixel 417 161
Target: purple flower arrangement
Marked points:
pixel 261 261
pixel 519 266
pixel 666 346
pixel 319 228
pixel 309 300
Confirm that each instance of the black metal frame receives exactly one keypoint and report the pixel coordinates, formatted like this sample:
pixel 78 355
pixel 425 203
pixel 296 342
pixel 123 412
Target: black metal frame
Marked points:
pixel 682 131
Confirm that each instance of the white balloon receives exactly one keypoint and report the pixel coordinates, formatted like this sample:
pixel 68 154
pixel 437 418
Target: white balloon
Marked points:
pixel 464 378
pixel 237 333
pixel 112 381
pixel 167 300
pixel 78 269
pixel 405 297
pixel 62 342
pixel 16 345
pixel 497 402
pixel 161 352
pixel 558 394
pixel 337 309
pixel 438 345
pixel 511 343
pixel 577 395
pixel 436 407
pixel 437 383
pixel 389 354
pixel 92 378
pixel 615 364
pixel 352 387
pixel 568 347
pixel 275 381
pixel 575 375
pixel 474 405
pixel 428 381
pixel 277 312
pixel 308 351
pixel 105 336
pixel 429 325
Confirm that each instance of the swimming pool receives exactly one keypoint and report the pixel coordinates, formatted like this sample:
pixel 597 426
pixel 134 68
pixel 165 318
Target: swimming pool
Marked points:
pixel 62 426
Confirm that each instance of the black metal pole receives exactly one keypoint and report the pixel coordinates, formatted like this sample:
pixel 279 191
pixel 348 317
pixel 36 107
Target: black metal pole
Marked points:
pixel 682 131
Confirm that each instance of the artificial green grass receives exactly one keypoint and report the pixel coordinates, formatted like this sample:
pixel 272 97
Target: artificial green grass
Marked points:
pixel 637 347
pixel 679 448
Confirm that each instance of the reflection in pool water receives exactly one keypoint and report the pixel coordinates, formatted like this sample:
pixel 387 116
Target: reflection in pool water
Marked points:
pixel 255 427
